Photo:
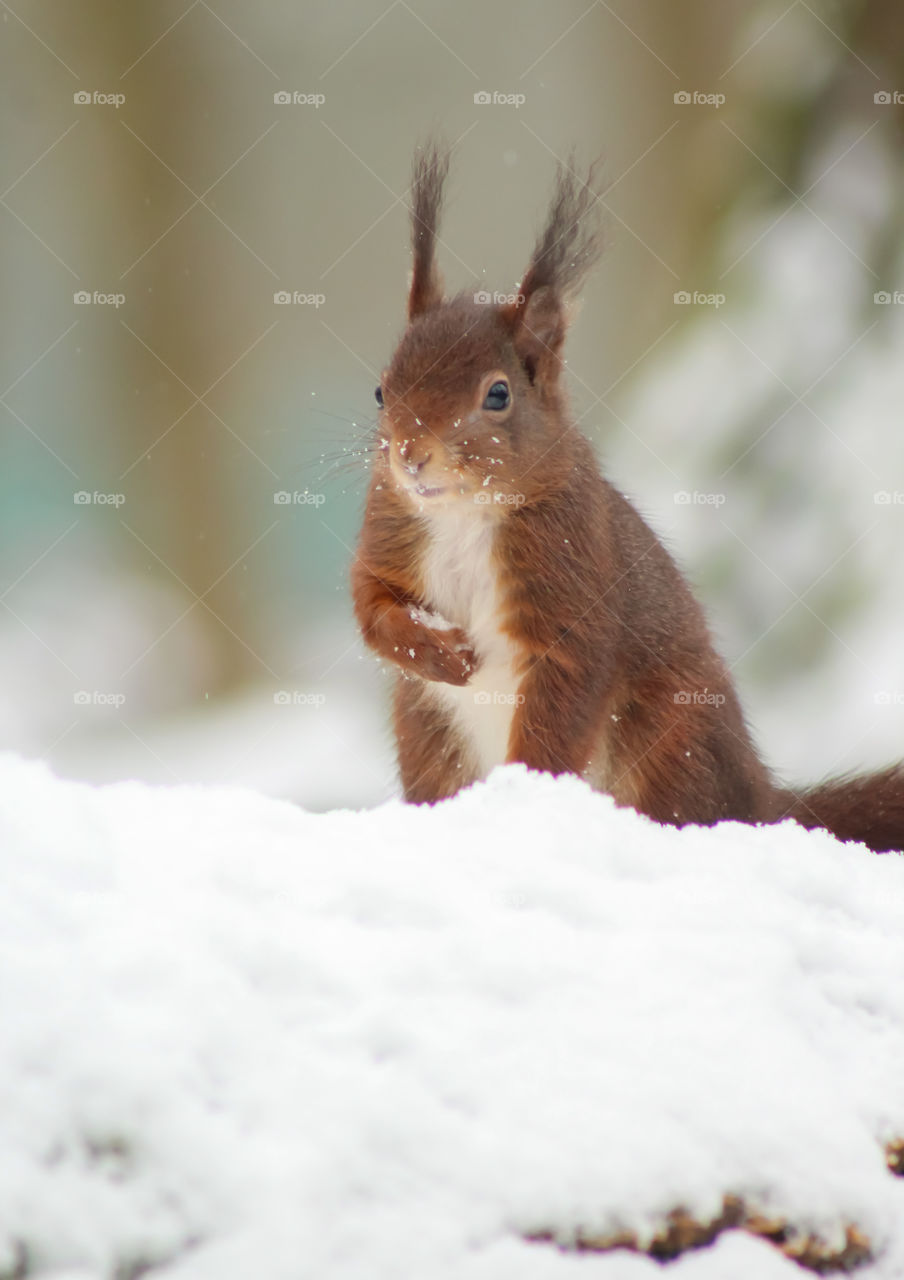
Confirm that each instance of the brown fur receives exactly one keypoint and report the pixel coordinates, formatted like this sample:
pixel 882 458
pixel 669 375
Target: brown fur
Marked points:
pixel 618 679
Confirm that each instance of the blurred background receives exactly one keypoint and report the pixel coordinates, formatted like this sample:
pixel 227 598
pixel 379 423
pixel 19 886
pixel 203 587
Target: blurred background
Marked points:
pixel 204 251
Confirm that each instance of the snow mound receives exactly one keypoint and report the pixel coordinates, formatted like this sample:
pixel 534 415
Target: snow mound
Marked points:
pixel 241 1040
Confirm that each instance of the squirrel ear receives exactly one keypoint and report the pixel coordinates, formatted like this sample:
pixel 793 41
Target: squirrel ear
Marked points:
pixel 566 249
pixel 429 175
pixel 538 333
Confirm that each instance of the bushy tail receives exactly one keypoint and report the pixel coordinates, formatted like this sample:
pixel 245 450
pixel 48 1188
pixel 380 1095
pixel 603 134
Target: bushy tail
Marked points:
pixel 868 808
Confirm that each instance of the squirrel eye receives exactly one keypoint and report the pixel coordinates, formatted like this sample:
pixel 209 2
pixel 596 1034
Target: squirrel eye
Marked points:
pixel 498 396
pixel 378 396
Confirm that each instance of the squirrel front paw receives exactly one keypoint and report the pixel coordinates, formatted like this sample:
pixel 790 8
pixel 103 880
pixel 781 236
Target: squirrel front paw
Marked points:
pixel 446 656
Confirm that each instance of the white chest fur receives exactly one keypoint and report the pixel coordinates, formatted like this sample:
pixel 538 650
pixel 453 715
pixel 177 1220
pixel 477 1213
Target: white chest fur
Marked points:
pixel 462 584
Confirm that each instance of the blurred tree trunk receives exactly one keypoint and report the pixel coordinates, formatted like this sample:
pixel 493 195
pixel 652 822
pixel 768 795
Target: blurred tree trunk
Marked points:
pixel 176 489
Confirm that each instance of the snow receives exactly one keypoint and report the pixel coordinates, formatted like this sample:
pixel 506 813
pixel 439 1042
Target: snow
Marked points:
pixel 241 1039
pixel 107 687
pixel 322 754
pixel 427 618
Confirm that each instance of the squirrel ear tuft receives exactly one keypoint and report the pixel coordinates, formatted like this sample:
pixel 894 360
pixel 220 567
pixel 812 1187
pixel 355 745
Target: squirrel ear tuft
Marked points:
pixel 428 177
pixel 571 239
pixel 566 249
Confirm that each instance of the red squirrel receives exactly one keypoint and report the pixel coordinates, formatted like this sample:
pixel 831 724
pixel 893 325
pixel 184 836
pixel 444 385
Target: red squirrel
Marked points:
pixel 528 610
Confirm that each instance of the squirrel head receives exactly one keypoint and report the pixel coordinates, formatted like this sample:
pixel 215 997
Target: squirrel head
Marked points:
pixel 473 403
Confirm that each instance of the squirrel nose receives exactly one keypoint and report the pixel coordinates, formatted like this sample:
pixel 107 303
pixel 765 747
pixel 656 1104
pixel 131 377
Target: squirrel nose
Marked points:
pixel 413 464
